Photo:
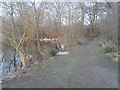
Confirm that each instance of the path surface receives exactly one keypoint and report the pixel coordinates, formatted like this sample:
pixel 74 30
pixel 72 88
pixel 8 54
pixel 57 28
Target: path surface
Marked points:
pixel 81 68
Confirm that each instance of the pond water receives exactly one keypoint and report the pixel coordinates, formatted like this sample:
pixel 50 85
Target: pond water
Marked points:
pixel 7 67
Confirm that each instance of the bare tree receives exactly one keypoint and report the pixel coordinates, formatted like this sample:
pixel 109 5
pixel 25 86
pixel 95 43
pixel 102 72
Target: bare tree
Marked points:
pixel 14 34
pixel 37 22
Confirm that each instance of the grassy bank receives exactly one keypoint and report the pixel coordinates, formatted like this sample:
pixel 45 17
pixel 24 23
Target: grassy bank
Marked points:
pixel 105 58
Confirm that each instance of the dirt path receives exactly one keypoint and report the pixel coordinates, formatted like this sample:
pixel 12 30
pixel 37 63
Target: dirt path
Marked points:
pixel 81 68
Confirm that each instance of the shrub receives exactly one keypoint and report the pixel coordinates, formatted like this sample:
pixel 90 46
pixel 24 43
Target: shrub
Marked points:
pixel 100 44
pixel 53 52
pixel 79 43
pixel 114 48
pixel 108 49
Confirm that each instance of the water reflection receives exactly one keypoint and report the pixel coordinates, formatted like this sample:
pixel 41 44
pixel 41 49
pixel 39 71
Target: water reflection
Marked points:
pixel 8 66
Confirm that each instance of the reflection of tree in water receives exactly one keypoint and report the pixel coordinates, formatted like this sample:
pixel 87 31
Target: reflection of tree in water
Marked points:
pixel 10 61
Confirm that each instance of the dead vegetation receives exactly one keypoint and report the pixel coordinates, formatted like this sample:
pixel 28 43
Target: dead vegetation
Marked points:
pixel 27 24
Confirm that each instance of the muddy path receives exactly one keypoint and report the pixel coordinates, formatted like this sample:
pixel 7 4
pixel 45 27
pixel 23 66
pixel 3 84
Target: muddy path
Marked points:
pixel 81 68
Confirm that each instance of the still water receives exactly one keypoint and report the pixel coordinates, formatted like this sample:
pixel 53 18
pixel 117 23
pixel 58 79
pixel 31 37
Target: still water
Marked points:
pixel 7 67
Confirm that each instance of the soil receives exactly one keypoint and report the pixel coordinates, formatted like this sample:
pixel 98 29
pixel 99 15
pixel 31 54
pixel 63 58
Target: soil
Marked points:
pixel 81 68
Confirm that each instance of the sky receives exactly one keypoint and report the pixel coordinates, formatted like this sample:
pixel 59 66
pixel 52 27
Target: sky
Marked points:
pixel 36 0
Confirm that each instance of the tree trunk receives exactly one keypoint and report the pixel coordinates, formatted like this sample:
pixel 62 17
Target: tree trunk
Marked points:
pixel 23 59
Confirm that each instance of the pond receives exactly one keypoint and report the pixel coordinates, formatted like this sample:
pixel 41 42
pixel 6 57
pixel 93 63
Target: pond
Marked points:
pixel 12 60
pixel 7 66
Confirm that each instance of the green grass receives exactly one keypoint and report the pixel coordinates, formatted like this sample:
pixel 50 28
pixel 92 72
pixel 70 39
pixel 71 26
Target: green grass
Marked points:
pixel 105 59
pixel 100 51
